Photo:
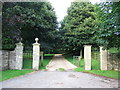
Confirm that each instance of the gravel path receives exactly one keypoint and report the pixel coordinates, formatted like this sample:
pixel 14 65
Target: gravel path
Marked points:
pixel 60 80
pixel 58 61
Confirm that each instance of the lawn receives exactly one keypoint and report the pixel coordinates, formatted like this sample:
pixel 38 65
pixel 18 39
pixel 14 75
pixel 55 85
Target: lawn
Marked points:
pixel 95 68
pixel 7 74
pixel 49 54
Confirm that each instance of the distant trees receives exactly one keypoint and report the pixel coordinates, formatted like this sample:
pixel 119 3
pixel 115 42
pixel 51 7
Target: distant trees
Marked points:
pixel 27 20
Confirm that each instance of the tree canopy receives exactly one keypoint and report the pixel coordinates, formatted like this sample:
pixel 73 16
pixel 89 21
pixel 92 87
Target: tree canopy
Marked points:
pixel 79 26
pixel 91 24
pixel 108 15
pixel 28 20
pixel 84 24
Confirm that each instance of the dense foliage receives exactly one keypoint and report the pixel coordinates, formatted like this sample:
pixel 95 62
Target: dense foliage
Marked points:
pixel 85 24
pixel 91 24
pixel 79 26
pixel 108 15
pixel 27 20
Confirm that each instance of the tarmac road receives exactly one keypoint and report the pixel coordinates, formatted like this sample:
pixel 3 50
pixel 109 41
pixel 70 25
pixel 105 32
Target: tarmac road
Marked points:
pixel 42 79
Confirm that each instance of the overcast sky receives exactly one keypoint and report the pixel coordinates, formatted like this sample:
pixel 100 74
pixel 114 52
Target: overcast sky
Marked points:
pixel 61 6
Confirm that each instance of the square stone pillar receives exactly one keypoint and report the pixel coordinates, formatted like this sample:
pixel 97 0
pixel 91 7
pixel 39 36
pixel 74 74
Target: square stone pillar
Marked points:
pixel 36 54
pixel 87 57
pixel 103 58
pixel 19 56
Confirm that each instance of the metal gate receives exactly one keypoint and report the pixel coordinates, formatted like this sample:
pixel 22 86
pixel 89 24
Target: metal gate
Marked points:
pixel 95 60
pixel 27 58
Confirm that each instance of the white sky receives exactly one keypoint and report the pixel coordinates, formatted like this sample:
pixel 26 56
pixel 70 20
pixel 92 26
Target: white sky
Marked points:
pixel 61 6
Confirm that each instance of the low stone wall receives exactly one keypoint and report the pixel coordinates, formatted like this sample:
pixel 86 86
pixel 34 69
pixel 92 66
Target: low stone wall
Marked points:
pixel 5 59
pixel 113 61
pixel 12 59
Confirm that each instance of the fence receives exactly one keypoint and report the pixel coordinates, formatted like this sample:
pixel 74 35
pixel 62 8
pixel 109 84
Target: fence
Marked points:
pixel 28 59
pixel 95 54
pixel 27 54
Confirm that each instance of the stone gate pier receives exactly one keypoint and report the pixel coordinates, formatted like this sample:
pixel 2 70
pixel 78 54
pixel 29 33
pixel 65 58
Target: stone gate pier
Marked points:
pixel 103 58
pixel 36 54
pixel 87 57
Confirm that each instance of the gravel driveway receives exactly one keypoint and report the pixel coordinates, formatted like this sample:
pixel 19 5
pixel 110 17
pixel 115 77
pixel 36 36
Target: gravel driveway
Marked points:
pixel 58 61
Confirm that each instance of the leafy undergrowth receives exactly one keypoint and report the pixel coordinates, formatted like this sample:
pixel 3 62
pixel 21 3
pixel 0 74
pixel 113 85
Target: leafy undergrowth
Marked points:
pixel 95 68
pixel 7 74
pixel 114 50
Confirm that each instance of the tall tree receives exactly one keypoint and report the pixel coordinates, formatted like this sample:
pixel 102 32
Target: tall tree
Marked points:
pixel 79 26
pixel 28 20
pixel 108 14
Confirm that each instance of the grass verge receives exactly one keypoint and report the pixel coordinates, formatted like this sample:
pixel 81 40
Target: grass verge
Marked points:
pixel 95 68
pixel 61 69
pixel 13 73
pixel 45 62
pixel 108 73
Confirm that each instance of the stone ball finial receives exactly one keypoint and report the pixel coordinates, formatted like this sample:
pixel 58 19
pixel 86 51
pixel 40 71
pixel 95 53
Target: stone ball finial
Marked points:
pixel 36 39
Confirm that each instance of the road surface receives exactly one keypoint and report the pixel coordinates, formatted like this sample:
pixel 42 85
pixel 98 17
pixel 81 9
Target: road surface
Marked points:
pixel 57 79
